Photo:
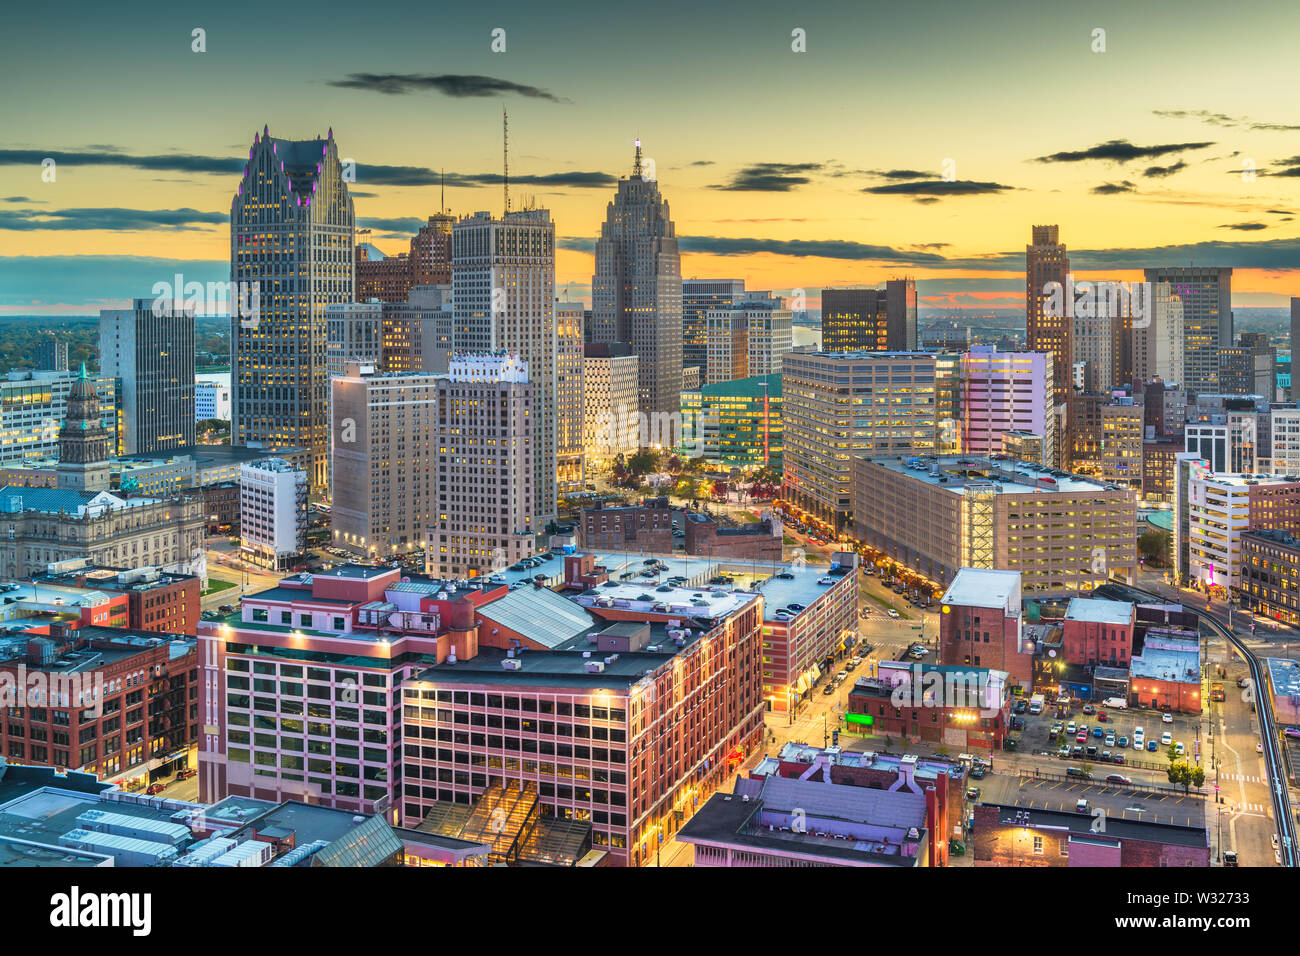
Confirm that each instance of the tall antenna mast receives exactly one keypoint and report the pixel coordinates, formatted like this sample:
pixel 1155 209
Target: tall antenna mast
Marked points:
pixel 636 163
pixel 505 149
pixel 442 194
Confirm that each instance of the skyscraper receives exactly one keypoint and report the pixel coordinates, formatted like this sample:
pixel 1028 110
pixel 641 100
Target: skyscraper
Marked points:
pixel 1004 392
pixel 291 232
pixel 503 296
pixel 880 320
pixel 751 338
pixel 636 293
pixel 149 349
pixel 700 296
pixel 568 378
pixel 52 354
pixel 1046 262
pixel 1206 294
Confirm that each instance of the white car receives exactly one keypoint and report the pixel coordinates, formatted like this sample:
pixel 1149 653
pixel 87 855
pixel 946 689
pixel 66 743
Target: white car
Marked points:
pixel 1167 718
pixel 893 613
pixel 1178 748
pixel 1166 739
pixel 1139 738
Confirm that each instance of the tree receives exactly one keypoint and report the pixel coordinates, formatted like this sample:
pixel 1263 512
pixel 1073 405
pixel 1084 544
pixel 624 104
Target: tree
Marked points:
pixel 1154 547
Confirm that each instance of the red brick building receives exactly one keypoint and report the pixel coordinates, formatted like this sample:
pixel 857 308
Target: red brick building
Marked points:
pixel 111 701
pixel 1015 836
pixel 759 541
pixel 163 602
pixel 647 527
pixel 981 625
pixel 970 710
pixel 1098 632
pixel 391 278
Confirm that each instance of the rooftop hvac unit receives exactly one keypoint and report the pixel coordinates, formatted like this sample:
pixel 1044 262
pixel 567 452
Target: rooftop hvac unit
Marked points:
pixel 595 667
pixel 513 664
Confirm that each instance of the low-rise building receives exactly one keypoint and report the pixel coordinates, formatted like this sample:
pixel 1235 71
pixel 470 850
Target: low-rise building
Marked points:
pixel 1166 673
pixel 1270 574
pixel 165 602
pixel 647 527
pixel 953 706
pixel 981 624
pixel 1008 835
pixel 760 540
pixel 1098 632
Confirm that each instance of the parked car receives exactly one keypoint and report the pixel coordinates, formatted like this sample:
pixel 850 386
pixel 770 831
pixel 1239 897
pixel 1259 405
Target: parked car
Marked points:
pixel 1078 772
pixel 186 773
pixel 972 794
pixel 1110 739
pixel 1122 741
pixel 156 788
pixel 1117 778
pixel 1166 739
pixel 1087 709
pixel 851 665
pixel 1098 733
pixel 1019 707
pixel 1152 747
pixel 1101 716
pixel 1076 752
pixel 1063 752
pixel 1139 738
pixel 1081 736
pixel 1178 748
pixel 1292 731
pixel 1118 757
pixel 1056 728
pixel 977 772
pixel 1167 718
pixel 1070 728
pixel 829 689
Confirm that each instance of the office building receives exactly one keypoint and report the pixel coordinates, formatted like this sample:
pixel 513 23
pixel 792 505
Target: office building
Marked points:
pixel 636 292
pixel 211 401
pixel 611 423
pixel 1229 445
pixel 1062 532
pixel 838 406
pixel 390 278
pixel 354 332
pixel 384 459
pixel 1005 392
pixel 1028 446
pixel 291 232
pixel 272 512
pixel 747 340
pixel 33 404
pixel 150 351
pixel 1285 441
pixel 568 399
pixel 52 354
pixel 485 436
pixel 1046 262
pixel 873 320
pixel 1121 441
pixel 503 287
pixel 646 528
pixel 1270 574
pixel 1249 368
pixel 165 602
pixel 1158 342
pixel 1206 297
pixel 737 423
pixel 699 297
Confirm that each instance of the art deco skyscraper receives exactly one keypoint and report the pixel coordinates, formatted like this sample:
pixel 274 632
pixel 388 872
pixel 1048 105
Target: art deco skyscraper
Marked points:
pixel 503 296
pixel 1045 262
pixel 291 231
pixel 636 293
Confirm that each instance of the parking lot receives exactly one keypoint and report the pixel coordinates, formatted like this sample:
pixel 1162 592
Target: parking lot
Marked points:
pixel 1184 729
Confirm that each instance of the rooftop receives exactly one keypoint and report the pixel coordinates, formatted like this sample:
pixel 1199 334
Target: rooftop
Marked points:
pixel 1284 675
pixel 1117 828
pixel 1167 659
pixel 982 587
pixel 1008 476
pixel 1096 611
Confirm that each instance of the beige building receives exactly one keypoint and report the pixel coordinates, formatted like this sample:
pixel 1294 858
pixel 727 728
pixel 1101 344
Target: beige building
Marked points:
pixel 382 436
pixel 610 411
pixel 1122 428
pixel 568 399
pixel 485 518
pixel 751 339
pixel 1064 533
pixel 840 405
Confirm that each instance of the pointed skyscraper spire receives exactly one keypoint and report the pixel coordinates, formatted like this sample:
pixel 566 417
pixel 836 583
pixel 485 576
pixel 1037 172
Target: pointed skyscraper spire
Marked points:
pixel 636 163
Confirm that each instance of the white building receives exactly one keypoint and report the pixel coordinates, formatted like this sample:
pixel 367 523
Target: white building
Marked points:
pixel 1158 338
pixel 272 511
pixel 211 400
pixel 611 417
pixel 748 340
pixel 1215 509
pixel 1286 441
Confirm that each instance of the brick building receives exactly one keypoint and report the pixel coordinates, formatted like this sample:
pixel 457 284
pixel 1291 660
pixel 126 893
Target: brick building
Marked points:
pixel 645 527
pixel 159 601
pixel 1098 632
pixel 980 624
pixel 1015 836
pixel 964 707
pixel 761 540
pixel 221 507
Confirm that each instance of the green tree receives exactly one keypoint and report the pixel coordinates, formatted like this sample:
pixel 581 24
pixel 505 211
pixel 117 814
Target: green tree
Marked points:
pixel 1154 547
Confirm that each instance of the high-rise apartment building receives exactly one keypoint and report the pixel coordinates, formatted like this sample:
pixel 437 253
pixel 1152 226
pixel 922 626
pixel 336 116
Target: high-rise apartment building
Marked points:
pixel 484 432
pixel 880 320
pixel 291 232
pixel 52 354
pixel 700 296
pixel 568 397
pixel 1006 392
pixel 149 349
pixel 747 340
pixel 636 293
pixel 503 289
pixel 840 405
pixel 1206 296
pixel 383 428
pixel 610 417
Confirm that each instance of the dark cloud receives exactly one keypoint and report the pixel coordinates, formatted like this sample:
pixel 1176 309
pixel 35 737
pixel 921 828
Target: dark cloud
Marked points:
pixel 21 199
pixel 932 189
pixel 1119 151
pixel 1244 226
pixel 804 248
pixel 400 224
pixel 176 162
pixel 1280 212
pixel 701 162
pixel 457 85
pixel 1110 189
pixel 770 177
pixel 899 173
pixel 1223 119
pixel 1160 172
pixel 28 220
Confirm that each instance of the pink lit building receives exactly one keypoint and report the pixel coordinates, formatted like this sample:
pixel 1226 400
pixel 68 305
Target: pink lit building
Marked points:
pixel 1004 392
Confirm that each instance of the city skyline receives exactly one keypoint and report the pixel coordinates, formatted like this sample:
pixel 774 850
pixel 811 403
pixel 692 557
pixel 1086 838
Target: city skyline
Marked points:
pixel 841 191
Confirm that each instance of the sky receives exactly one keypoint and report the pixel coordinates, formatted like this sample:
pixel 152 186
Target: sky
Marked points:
pixel 905 139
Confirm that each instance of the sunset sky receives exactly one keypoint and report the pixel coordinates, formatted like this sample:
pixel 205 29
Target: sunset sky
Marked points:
pixel 789 170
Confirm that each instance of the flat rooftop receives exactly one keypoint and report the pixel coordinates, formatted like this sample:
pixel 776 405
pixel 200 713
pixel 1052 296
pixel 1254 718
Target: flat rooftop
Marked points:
pixel 1096 611
pixel 1284 675
pixel 1009 477
pixel 983 587
pixel 1117 828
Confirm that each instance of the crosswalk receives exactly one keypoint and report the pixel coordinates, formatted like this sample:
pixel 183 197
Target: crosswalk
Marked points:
pixel 1247 778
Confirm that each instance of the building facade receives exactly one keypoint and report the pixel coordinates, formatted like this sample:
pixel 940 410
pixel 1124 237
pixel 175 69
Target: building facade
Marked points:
pixel 272 512
pixel 610 417
pixel 149 349
pixel 736 423
pixel 876 320
pixel 569 397
pixel 1006 392
pixel 291 232
pixel 699 297
pixel 1206 297
pixel 34 404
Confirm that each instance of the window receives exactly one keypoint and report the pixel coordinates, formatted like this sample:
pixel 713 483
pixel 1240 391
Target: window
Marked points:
pixel 1038 845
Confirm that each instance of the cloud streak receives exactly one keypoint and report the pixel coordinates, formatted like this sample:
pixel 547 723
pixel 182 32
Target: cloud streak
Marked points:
pixel 1119 151
pixel 456 85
